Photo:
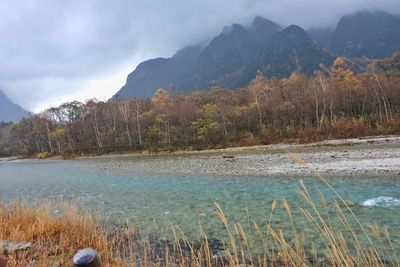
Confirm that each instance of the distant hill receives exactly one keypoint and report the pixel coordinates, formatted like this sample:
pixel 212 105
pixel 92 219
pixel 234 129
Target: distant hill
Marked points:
pixel 10 111
pixel 233 58
pixel 366 34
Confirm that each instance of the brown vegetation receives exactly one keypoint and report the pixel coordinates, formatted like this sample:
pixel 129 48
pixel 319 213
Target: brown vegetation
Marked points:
pixel 336 104
pixel 55 233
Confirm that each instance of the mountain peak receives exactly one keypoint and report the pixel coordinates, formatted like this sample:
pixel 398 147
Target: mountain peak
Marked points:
pixel 369 15
pixel 294 29
pixel 261 22
pixel 289 50
pixel 263 29
pixel 234 28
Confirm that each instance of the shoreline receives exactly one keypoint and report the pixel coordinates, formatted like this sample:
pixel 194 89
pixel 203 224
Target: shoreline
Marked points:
pixel 277 146
pixel 375 155
pixel 361 156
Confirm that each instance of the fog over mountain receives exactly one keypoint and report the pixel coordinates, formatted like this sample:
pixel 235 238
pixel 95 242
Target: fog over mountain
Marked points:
pixel 231 60
pixel 54 51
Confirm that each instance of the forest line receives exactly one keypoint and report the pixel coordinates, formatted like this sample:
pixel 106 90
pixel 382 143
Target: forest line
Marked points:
pixel 337 103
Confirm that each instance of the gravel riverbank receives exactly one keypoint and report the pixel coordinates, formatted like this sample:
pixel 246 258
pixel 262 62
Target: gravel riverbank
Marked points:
pixel 375 155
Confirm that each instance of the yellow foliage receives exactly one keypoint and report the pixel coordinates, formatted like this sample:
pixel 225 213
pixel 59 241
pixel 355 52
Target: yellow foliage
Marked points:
pixel 57 133
pixel 344 77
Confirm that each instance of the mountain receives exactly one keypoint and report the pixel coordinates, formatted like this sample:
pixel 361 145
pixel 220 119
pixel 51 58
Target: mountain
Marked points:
pixel 10 111
pixel 219 63
pixel 223 57
pixel 160 72
pixel 226 59
pixel 366 34
pixel 291 50
pixel 230 60
pixel 233 58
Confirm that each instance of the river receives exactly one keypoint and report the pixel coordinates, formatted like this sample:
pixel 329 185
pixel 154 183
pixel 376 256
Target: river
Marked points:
pixel 134 189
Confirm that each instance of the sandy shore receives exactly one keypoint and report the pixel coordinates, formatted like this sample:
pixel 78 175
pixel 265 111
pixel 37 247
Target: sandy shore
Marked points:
pixel 375 155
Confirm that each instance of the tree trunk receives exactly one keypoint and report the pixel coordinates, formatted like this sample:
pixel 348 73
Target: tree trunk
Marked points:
pixel 97 132
pixel 138 124
pixel 386 104
pixel 224 125
pixel 167 128
pixel 128 134
pixel 316 106
pixel 48 137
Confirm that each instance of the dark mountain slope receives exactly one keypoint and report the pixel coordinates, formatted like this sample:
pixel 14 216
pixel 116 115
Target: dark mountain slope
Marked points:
pixel 232 58
pixel 372 35
pixel 10 111
pixel 291 50
pixel 225 61
pixel 223 57
pixel 222 62
pixel 160 72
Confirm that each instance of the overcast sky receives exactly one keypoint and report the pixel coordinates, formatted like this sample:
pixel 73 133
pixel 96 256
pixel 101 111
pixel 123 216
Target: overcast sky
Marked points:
pixel 55 51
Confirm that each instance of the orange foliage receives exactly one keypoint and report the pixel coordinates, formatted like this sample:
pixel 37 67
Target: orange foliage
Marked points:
pixel 349 128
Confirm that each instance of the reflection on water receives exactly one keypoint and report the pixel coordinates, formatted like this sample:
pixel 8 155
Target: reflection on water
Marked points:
pixel 153 201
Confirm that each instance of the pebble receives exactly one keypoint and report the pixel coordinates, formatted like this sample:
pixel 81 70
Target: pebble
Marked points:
pixel 10 247
pixel 358 160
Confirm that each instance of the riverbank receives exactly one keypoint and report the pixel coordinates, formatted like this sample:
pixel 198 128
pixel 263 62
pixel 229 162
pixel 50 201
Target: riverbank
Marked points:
pixel 369 155
pixel 366 155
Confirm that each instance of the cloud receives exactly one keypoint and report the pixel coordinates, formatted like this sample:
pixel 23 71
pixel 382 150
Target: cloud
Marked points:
pixel 51 50
pixel 98 88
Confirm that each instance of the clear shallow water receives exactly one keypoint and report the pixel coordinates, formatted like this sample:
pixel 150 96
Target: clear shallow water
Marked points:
pixel 154 201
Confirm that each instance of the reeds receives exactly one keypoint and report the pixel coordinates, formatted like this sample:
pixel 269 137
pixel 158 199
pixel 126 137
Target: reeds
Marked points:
pixel 56 236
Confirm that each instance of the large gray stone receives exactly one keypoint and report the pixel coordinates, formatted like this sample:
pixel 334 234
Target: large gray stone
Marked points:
pixel 87 257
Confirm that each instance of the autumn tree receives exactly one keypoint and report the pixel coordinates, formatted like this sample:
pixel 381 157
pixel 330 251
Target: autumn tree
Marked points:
pixel 162 103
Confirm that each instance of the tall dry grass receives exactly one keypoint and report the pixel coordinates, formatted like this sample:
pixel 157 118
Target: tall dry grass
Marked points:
pixel 56 233
pixel 57 236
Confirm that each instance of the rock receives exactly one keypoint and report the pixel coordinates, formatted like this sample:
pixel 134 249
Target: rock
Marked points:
pixel 87 257
pixel 10 247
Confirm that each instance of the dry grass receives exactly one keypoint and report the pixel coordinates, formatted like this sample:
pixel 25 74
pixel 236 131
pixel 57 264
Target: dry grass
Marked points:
pixel 57 236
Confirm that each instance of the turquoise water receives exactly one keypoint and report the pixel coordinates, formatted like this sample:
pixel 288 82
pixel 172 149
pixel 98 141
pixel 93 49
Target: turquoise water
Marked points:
pixel 153 201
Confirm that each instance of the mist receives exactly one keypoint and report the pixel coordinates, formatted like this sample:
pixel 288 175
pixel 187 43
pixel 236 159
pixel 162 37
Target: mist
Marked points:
pixel 53 51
